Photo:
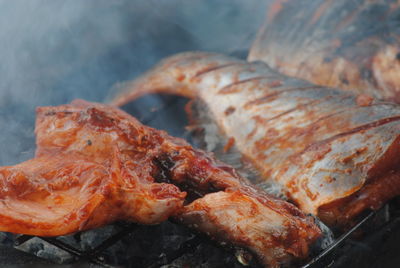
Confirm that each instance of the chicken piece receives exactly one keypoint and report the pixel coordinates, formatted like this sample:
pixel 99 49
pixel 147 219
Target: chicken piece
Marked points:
pixel 93 130
pixel 352 45
pixel 146 176
pixel 332 154
pixel 58 194
pixel 237 217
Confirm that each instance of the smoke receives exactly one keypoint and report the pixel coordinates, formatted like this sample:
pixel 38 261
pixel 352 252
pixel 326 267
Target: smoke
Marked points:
pixel 54 51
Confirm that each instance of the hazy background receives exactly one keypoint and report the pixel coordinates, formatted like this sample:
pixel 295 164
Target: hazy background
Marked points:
pixel 52 52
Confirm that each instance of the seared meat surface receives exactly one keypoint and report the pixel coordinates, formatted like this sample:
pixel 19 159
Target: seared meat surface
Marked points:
pixel 333 153
pixel 60 193
pixel 95 164
pixel 352 45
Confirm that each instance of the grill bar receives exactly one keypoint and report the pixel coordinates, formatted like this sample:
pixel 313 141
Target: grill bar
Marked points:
pixel 330 249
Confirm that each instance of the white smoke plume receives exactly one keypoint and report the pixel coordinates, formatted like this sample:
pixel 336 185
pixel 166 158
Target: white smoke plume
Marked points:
pixel 53 51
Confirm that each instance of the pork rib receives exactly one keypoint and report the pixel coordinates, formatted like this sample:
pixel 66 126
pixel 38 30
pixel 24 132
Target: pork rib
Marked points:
pixel 353 45
pixel 329 150
pixel 60 194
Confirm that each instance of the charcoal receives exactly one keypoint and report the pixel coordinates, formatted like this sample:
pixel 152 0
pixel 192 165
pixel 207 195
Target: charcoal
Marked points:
pixel 93 238
pixel 6 239
pixel 205 256
pixel 45 250
pixel 73 240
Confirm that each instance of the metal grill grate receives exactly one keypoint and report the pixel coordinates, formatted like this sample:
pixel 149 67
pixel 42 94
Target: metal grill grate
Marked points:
pixel 96 255
pixel 92 255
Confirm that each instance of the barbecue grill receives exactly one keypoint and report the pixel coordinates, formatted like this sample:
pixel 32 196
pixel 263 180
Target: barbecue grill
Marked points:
pixel 370 243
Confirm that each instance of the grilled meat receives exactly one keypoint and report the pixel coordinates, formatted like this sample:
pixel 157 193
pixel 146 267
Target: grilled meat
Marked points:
pixel 333 153
pixel 95 164
pixel 60 193
pixel 353 45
